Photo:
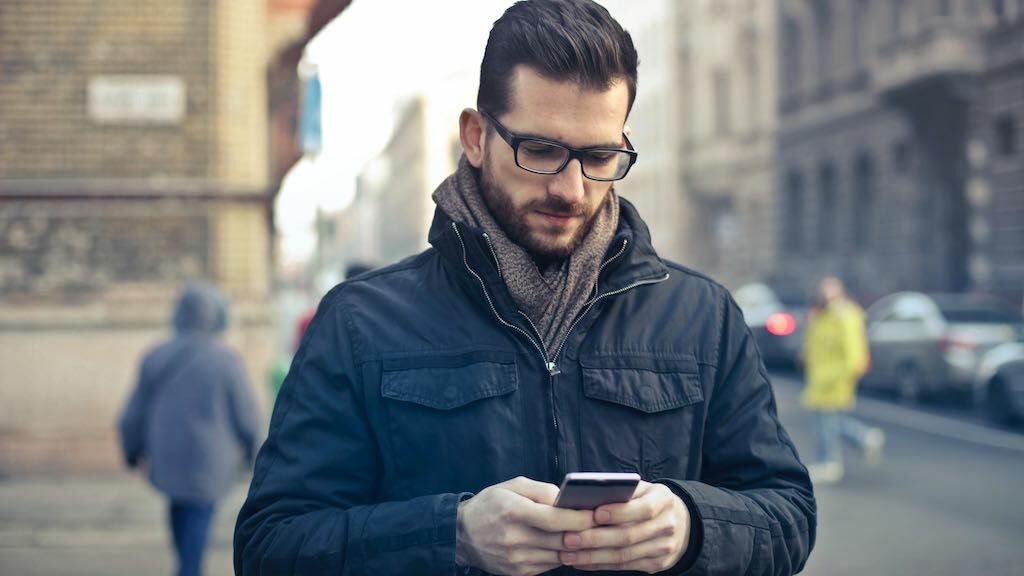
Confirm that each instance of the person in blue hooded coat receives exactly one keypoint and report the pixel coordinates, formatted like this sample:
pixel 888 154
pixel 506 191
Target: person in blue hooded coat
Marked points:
pixel 192 422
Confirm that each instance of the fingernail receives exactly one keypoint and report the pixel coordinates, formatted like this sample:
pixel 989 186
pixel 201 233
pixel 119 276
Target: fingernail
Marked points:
pixel 603 516
pixel 573 540
pixel 568 557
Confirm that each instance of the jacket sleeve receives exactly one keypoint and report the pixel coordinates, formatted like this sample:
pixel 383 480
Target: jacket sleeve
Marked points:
pixel 311 508
pixel 245 413
pixel 132 425
pixel 753 506
pixel 855 342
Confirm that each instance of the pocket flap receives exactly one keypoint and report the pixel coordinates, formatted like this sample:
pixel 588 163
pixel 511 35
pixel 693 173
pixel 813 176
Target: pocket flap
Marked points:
pixel 646 383
pixel 444 382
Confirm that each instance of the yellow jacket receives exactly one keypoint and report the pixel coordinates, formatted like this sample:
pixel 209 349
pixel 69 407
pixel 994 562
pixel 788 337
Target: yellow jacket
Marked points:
pixel 835 356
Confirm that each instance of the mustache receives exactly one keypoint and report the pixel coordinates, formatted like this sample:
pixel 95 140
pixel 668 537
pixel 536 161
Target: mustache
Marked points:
pixel 558 207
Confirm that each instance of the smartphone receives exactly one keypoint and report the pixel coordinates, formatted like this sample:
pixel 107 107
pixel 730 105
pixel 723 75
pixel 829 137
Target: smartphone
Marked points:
pixel 588 490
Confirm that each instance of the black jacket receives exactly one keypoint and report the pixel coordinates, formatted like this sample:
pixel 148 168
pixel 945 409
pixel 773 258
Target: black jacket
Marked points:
pixel 420 383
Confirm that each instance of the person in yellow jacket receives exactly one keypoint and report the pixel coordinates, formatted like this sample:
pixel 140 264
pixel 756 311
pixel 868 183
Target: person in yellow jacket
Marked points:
pixel 835 356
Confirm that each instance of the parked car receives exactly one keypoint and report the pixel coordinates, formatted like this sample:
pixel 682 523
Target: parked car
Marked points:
pixel 925 344
pixel 999 384
pixel 777 319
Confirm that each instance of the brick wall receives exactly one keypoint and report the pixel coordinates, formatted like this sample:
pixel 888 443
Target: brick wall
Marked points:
pixel 50 50
pixel 241 86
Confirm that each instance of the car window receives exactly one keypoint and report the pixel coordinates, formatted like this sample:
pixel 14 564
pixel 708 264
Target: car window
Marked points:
pixel 979 315
pixel 911 309
pixel 753 295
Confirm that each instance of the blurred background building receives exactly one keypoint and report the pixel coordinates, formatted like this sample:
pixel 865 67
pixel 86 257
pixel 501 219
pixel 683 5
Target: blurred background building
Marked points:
pixel 898 166
pixel 133 157
pixel 146 143
pixel 728 92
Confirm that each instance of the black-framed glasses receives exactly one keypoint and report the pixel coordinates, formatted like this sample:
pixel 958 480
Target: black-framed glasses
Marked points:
pixel 543 156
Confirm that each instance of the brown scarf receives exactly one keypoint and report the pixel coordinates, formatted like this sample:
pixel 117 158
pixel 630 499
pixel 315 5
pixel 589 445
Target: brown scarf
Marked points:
pixel 552 298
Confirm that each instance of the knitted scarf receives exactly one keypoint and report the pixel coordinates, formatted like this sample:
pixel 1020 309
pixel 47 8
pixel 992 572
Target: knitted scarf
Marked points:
pixel 551 298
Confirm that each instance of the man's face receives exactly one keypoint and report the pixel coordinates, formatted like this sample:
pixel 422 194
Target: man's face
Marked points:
pixel 549 215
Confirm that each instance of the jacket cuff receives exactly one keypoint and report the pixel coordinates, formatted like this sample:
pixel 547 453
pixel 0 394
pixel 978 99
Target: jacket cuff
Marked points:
pixel 460 570
pixel 696 542
pixel 447 515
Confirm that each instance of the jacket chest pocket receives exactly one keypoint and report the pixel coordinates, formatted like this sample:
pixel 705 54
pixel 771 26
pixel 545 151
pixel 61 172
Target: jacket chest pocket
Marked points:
pixel 452 420
pixel 640 413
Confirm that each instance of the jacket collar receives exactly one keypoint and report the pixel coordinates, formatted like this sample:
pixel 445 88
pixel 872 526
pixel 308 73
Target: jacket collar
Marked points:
pixel 463 245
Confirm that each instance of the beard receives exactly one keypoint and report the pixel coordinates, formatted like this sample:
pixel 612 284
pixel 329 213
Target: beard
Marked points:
pixel 540 245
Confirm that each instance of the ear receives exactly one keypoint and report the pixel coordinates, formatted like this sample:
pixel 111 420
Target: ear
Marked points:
pixel 472 132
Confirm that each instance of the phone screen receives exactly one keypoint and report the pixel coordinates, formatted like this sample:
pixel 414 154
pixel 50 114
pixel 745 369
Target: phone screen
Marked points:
pixel 588 490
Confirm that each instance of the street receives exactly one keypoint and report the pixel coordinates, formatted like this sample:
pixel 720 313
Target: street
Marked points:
pixel 944 502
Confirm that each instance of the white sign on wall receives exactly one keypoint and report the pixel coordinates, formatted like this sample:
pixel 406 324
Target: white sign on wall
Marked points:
pixel 136 99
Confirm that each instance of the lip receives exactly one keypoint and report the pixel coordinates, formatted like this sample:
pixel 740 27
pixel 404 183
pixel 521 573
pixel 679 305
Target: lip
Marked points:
pixel 557 219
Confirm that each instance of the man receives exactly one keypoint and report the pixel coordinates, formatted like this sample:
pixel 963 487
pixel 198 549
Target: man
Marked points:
pixel 435 404
pixel 835 357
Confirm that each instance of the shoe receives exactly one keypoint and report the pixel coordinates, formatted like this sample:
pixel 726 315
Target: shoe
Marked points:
pixel 825 473
pixel 874 443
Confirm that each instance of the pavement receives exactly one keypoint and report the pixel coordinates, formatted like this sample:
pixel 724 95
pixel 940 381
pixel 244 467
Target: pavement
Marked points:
pixel 110 525
pixel 946 502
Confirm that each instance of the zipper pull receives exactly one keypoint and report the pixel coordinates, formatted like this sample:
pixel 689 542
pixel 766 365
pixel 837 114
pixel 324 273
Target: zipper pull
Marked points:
pixel 553 370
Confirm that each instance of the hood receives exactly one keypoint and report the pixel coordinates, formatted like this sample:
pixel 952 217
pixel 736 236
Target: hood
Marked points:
pixel 200 308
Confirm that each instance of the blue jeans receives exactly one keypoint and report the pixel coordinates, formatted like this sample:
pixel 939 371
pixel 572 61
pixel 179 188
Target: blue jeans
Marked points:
pixel 833 426
pixel 190 526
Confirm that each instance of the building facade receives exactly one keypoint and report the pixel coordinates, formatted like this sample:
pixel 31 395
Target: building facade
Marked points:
pixel 133 157
pixel 878 103
pixel 704 124
pixel 728 94
pixel 995 187
pixel 393 209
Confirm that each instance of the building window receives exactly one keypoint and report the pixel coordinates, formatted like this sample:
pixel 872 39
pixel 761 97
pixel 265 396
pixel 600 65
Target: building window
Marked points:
pixel 791 57
pixel 1006 135
pixel 860 12
pixel 724 230
pixel 823 24
pixel 898 17
pixel 792 217
pixel 754 96
pixel 827 208
pixel 863 200
pixel 900 156
pixel 722 102
pixel 999 9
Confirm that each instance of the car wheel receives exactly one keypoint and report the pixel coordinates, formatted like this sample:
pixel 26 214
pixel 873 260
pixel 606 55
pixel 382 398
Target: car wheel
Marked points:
pixel 997 403
pixel 909 384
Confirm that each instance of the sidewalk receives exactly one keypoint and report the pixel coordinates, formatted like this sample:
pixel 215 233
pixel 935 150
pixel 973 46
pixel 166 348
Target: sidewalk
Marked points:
pixel 97 526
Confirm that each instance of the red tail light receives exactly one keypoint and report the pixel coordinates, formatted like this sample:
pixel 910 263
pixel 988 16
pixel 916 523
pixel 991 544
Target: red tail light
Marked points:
pixel 947 344
pixel 780 324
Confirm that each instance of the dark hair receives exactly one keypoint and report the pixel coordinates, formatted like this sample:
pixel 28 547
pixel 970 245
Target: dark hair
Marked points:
pixel 574 40
pixel 356 268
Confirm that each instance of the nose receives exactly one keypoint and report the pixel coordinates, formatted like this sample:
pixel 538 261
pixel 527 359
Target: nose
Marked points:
pixel 568 184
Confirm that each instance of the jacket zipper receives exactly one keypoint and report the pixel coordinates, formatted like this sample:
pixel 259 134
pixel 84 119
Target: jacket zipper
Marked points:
pixel 538 344
pixel 494 254
pixel 483 288
pixel 595 299
pixel 551 366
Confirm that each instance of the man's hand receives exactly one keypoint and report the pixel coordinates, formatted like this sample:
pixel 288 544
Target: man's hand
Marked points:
pixel 649 533
pixel 512 528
